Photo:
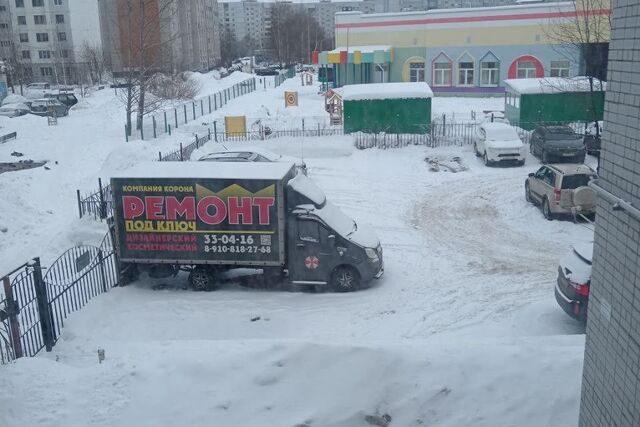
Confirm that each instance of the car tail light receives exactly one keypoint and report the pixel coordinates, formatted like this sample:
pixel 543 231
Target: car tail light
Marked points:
pixel 581 289
pixel 556 194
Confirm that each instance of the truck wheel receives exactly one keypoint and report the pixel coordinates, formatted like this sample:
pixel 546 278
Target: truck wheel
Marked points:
pixel 201 279
pixel 345 279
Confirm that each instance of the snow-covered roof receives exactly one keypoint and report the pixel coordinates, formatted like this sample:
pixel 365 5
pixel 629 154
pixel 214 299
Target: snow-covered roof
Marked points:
pixel 413 90
pixel 553 85
pixel 216 170
pixel 363 49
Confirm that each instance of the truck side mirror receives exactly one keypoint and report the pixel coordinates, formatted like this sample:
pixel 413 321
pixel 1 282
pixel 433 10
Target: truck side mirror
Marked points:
pixel 331 240
pixel 532 175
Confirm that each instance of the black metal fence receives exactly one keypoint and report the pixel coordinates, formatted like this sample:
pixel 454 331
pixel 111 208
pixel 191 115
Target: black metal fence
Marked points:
pixel 167 120
pixel 35 305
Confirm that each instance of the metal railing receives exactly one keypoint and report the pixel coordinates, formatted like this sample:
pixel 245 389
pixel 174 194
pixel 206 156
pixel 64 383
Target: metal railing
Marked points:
pixel 35 306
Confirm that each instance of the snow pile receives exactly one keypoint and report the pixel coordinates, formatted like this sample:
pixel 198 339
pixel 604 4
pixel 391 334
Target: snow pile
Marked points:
pixel 376 91
pixel 14 99
pixel 553 85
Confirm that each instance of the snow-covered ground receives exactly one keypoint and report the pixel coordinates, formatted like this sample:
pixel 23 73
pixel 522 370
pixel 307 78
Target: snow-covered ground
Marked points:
pixel 462 329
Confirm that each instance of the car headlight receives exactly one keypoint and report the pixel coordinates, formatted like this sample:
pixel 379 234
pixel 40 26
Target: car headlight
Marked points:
pixel 372 254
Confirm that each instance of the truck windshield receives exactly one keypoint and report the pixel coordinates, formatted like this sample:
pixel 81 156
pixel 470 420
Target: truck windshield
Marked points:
pixel 336 219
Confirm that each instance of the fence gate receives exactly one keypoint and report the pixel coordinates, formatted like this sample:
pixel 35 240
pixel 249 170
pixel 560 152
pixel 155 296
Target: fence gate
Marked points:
pixel 35 306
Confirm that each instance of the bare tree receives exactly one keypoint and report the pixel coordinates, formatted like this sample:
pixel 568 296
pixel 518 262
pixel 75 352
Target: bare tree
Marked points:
pixel 91 56
pixel 583 37
pixel 294 33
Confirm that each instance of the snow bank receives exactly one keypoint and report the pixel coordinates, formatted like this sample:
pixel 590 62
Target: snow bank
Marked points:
pixel 14 99
pixel 269 383
pixel 553 85
pixel 412 90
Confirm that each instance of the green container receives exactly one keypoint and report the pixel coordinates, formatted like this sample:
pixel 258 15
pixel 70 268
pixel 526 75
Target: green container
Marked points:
pixel 411 116
pixel 531 109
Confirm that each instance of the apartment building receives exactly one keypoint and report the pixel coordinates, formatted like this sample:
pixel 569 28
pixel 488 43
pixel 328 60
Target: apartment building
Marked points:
pixel 36 39
pixel 180 35
pixel 251 19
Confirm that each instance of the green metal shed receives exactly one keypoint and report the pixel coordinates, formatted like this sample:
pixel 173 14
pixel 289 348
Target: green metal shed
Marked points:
pixel 387 107
pixel 553 100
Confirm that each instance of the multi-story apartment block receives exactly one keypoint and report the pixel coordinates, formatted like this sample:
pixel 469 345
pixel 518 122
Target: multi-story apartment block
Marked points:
pixel 37 40
pixel 250 20
pixel 180 35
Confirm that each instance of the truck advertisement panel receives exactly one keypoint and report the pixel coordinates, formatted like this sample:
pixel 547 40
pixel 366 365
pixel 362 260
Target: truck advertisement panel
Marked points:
pixel 198 220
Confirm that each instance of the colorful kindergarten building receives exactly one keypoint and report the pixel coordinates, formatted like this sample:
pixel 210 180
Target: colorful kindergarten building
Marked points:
pixel 454 50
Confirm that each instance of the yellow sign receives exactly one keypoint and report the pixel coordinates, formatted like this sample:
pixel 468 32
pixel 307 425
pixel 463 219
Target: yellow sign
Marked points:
pixel 235 125
pixel 290 99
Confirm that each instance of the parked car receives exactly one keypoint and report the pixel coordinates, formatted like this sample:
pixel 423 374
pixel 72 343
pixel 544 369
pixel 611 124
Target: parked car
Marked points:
pixel 68 99
pixel 557 144
pixel 14 110
pixel 268 71
pixel 574 279
pixel 253 155
pixel 499 143
pixel 41 107
pixel 562 189
pixel 38 86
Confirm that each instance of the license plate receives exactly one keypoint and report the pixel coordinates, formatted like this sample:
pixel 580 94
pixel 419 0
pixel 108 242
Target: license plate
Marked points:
pixel 568 154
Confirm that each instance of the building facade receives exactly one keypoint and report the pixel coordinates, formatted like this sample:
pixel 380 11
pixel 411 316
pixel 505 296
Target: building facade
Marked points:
pixel 611 377
pixel 37 40
pixel 455 50
pixel 179 35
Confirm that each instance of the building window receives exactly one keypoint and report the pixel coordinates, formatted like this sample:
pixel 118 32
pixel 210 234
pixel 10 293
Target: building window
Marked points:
pixel 24 37
pixel 559 68
pixel 37 3
pixel 57 2
pixel 64 53
pixel 26 54
pixel 39 19
pixel 62 37
pixel 416 72
pixel 526 70
pixel 442 74
pixel 465 73
pixel 3 8
pixel 46 71
pixel 59 19
pixel 22 20
pixel 5 43
pixel 4 25
pixel 489 73
pixel 44 54
pixel 42 37
pixel 19 3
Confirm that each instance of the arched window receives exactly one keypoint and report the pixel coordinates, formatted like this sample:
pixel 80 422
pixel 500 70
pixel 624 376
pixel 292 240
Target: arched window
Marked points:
pixel 526 67
pixel 413 69
pixel 442 70
pixel 466 70
pixel 489 70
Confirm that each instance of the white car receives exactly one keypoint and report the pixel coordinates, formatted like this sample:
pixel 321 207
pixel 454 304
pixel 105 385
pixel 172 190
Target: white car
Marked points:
pixel 499 143
pixel 252 155
pixel 14 110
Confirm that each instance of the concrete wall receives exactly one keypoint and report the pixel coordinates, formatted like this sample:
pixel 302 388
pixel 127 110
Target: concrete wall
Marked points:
pixel 611 378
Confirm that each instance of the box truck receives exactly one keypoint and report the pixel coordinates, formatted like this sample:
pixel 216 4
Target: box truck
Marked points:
pixel 207 218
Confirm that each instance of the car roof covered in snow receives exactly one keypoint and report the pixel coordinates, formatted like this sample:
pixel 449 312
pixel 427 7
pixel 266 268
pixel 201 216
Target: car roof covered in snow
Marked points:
pixel 496 126
pixel 375 91
pixel 553 85
pixel 249 170
pixel 573 168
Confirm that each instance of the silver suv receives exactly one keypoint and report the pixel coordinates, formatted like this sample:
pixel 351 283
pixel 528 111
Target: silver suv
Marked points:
pixel 562 189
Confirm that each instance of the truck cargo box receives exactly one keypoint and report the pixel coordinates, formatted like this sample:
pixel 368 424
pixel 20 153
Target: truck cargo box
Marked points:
pixel 202 213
